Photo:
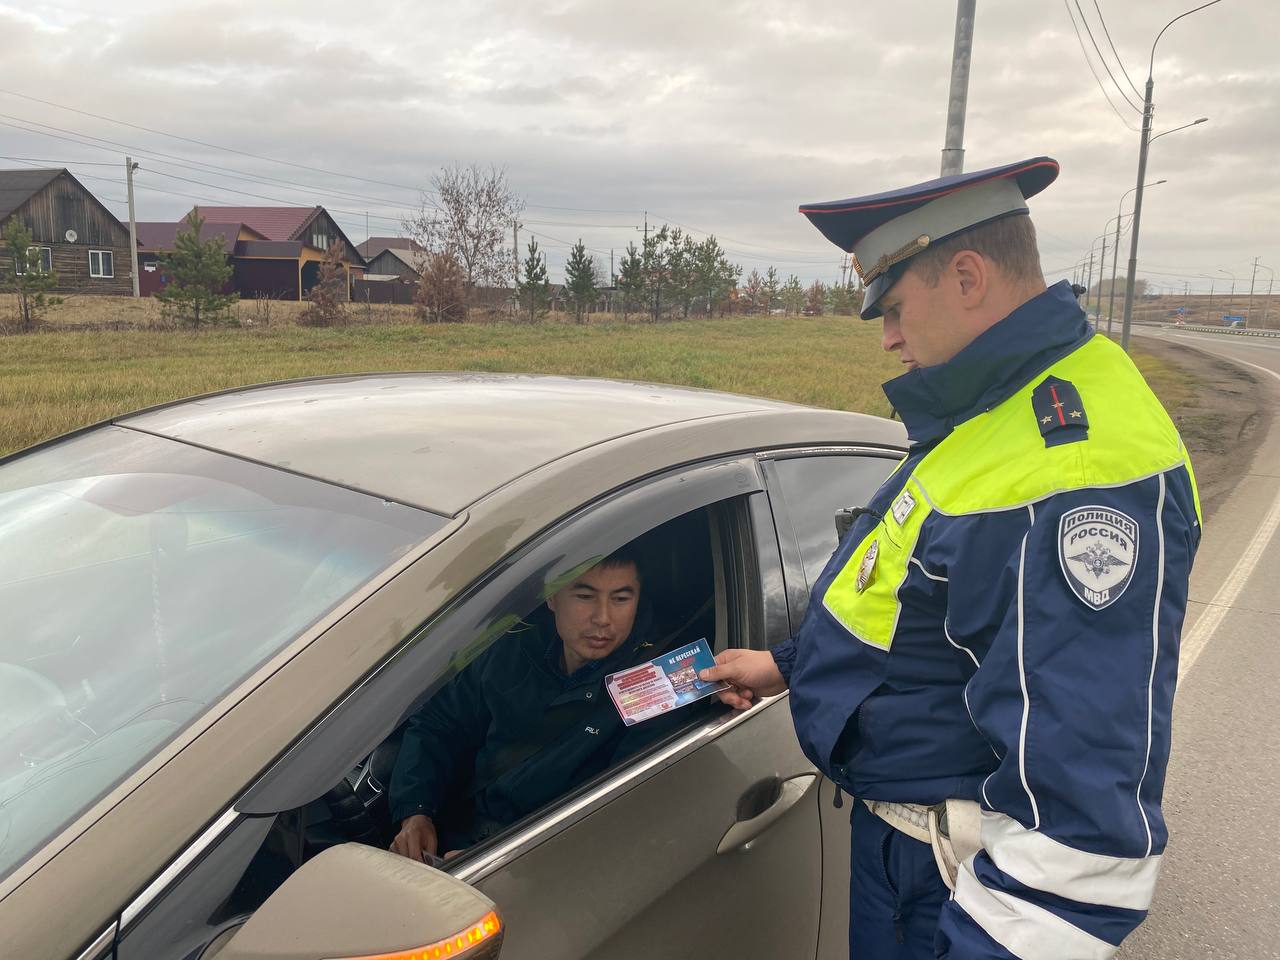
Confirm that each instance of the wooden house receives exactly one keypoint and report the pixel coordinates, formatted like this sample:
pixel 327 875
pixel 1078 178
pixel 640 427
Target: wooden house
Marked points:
pixel 79 239
pixel 283 261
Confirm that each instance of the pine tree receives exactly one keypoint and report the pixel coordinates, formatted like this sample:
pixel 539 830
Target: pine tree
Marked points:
pixel 792 295
pixel 753 291
pixel 770 289
pixel 631 279
pixel 533 288
pixel 714 277
pixel 198 272
pixel 655 270
pixel 326 305
pixel 816 302
pixel 441 296
pixel 580 281
pixel 25 276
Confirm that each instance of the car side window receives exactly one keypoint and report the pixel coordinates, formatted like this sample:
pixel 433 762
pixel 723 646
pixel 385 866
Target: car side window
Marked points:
pixel 532 717
pixel 806 491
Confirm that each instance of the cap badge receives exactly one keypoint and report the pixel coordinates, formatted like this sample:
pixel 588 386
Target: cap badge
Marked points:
pixel 905 252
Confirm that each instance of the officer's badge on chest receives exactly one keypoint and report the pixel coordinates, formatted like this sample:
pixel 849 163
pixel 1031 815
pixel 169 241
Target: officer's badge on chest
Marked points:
pixel 867 569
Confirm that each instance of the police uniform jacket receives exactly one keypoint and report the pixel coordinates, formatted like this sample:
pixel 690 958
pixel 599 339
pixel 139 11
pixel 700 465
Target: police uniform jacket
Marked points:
pixel 1004 625
pixel 511 732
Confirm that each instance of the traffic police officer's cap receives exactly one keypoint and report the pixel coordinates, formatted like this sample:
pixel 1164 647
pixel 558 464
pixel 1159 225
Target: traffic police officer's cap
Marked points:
pixel 886 230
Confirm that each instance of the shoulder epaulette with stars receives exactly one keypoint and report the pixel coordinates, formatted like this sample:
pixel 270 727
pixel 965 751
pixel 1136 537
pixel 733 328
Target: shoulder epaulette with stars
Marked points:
pixel 1059 412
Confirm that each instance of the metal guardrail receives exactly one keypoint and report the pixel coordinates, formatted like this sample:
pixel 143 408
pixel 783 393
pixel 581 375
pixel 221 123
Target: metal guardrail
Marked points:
pixel 1227 331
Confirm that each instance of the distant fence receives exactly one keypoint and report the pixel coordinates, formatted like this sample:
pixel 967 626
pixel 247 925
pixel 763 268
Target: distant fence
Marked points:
pixel 1227 331
pixel 382 291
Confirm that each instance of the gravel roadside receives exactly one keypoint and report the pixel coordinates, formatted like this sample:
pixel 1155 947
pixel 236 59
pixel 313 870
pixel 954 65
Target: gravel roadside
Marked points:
pixel 1219 413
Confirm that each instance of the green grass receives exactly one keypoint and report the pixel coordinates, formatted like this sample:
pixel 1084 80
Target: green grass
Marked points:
pixel 57 381
pixel 54 382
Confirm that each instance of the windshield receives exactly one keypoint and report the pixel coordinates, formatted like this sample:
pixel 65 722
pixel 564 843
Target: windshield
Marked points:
pixel 140 580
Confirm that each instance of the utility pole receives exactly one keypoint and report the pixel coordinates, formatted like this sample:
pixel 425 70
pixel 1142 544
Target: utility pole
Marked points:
pixel 1209 311
pixel 1102 269
pixel 1089 283
pixel 129 167
pixel 1249 312
pixel 1148 111
pixel 958 98
pixel 515 247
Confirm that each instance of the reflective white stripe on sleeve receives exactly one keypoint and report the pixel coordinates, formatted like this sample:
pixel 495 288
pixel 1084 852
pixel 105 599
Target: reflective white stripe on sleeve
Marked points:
pixel 1022 928
pixel 1041 862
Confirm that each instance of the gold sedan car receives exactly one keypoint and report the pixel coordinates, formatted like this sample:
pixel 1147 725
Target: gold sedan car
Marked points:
pixel 216 617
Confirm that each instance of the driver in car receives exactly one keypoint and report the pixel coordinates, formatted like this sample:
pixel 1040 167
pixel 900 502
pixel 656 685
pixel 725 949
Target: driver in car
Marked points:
pixel 527 720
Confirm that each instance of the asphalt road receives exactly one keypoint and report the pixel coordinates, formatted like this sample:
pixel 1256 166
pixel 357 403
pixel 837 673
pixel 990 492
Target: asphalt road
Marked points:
pixel 1219 892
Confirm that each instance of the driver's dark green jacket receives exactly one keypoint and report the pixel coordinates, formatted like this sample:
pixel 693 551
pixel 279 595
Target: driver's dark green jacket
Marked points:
pixel 511 732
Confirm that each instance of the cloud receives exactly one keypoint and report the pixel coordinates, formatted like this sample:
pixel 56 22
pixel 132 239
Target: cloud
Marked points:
pixel 721 116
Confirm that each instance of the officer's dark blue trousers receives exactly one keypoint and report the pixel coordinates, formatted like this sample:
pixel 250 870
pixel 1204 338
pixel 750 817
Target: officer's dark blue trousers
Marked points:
pixel 895 892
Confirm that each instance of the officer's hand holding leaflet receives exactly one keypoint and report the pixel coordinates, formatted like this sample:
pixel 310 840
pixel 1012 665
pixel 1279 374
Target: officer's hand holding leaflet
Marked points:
pixel 752 674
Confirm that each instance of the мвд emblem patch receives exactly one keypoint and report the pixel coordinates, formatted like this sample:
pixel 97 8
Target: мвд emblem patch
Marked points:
pixel 1098 550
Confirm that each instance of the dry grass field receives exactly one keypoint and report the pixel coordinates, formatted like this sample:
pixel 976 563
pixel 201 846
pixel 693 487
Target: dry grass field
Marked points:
pixel 57 380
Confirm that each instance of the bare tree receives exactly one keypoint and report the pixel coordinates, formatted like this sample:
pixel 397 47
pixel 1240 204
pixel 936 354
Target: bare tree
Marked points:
pixel 469 218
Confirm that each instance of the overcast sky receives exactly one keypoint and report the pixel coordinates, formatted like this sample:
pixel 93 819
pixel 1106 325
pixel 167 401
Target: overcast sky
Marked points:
pixel 720 116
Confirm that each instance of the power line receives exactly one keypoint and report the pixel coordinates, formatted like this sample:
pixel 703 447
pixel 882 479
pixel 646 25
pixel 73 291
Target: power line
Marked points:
pixel 165 159
pixel 205 143
pixel 1102 59
pixel 1089 63
pixel 1115 53
pixel 266 159
pixel 169 159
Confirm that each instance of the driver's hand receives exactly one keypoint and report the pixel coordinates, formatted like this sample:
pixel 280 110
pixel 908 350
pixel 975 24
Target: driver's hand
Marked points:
pixel 417 836
pixel 752 673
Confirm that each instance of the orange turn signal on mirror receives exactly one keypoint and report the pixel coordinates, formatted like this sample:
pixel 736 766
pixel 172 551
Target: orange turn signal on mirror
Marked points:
pixel 482 931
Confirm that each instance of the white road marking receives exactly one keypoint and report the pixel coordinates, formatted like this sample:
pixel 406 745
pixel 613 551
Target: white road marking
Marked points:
pixel 1194 642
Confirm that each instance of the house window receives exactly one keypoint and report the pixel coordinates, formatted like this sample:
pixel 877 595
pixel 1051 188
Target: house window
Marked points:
pixel 101 264
pixel 320 241
pixel 44 257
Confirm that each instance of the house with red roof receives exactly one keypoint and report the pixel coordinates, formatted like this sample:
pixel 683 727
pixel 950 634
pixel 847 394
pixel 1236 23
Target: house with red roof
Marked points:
pixel 275 252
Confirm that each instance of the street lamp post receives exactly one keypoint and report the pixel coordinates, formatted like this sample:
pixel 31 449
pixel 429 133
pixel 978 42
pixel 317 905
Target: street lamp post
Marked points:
pixel 1266 306
pixel 1144 143
pixel 1231 297
pixel 1115 250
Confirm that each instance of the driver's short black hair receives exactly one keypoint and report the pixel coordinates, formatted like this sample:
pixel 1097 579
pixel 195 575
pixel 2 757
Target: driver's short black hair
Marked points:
pixel 624 555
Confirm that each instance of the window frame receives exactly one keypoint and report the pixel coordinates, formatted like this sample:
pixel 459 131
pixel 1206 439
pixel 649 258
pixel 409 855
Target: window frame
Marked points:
pixel 797 581
pixel 45 265
pixel 111 261
pixel 732 488
pixel 388 695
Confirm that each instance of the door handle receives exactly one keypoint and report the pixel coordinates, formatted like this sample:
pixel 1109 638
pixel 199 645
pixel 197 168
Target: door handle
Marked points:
pixel 744 831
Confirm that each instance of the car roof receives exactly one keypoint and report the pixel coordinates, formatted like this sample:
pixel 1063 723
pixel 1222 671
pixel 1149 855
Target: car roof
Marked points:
pixel 441 441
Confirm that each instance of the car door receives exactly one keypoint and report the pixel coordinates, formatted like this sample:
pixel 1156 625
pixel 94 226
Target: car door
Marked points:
pixel 714 837
pixel 806 488
pixel 714 829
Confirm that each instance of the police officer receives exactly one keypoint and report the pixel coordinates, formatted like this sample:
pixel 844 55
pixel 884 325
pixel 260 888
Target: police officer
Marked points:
pixel 989 659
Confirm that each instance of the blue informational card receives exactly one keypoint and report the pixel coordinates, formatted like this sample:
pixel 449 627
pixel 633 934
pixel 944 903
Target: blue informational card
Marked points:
pixel 665 683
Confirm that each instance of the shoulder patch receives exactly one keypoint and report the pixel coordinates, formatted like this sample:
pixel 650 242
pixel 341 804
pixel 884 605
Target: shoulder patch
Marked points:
pixel 1097 550
pixel 1059 412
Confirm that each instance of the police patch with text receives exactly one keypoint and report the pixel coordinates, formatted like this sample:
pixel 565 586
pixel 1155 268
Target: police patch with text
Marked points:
pixel 1098 550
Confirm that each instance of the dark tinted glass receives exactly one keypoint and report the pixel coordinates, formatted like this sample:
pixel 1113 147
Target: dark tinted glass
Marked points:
pixel 813 488
pixel 140 580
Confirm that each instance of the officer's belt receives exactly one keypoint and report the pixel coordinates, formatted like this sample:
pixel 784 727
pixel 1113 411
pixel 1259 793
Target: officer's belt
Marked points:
pixel 950 828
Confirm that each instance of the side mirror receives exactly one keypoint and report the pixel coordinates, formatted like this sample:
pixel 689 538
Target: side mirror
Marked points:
pixel 353 902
